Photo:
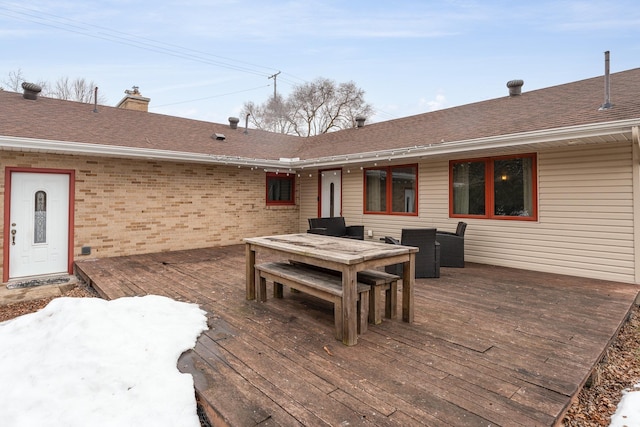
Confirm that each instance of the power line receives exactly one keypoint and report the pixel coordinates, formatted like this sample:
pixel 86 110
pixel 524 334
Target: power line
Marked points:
pixel 210 97
pixel 70 25
pixel 77 27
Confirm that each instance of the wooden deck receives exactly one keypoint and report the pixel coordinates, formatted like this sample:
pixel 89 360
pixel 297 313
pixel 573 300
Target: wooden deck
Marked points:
pixel 489 346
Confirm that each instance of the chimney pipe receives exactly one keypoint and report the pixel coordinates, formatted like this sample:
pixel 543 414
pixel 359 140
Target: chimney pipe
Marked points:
pixel 246 124
pixel 95 100
pixel 607 92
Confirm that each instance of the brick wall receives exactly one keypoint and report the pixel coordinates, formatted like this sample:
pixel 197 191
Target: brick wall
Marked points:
pixel 125 207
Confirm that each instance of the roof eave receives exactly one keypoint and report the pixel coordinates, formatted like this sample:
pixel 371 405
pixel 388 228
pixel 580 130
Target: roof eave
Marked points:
pixel 79 148
pixel 592 133
pixel 534 140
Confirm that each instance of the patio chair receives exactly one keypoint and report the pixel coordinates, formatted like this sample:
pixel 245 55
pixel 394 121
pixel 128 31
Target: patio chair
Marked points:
pixel 452 246
pixel 428 256
pixel 335 226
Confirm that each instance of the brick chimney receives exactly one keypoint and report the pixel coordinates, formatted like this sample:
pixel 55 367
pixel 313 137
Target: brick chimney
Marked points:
pixel 134 100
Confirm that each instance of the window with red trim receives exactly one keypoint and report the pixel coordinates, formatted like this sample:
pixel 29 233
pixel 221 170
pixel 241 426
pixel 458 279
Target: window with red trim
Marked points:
pixel 391 190
pixel 281 189
pixel 494 187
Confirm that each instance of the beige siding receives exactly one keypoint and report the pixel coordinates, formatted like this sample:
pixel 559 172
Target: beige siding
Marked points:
pixel 586 215
pixel 308 199
pixel 432 202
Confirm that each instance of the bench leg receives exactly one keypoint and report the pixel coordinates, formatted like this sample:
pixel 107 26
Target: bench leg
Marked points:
pixel 374 305
pixel 261 289
pixel 391 301
pixel 278 290
pixel 363 309
pixel 337 316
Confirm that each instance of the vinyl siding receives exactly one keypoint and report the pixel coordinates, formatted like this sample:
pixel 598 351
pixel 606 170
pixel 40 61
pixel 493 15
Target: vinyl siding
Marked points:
pixel 585 222
pixel 308 198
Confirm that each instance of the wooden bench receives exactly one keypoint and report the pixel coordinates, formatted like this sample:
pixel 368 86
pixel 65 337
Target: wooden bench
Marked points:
pixel 314 282
pixel 381 281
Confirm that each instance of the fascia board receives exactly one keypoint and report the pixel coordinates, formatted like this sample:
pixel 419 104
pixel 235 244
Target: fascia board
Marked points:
pixel 478 144
pixel 78 148
pixel 407 153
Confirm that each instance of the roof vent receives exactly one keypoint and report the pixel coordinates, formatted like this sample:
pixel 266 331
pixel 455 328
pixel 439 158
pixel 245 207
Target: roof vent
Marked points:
pixel 233 122
pixel 218 136
pixel 515 87
pixel 360 121
pixel 31 90
pixel 607 85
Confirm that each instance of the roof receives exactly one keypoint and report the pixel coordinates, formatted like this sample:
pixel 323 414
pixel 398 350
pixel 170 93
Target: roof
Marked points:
pixel 66 121
pixel 569 105
pixel 569 111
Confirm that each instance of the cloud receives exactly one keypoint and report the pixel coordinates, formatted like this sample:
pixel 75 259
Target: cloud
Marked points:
pixel 437 103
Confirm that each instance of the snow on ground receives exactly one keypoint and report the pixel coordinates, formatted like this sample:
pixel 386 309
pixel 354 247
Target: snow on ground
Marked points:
pixel 88 361
pixel 628 410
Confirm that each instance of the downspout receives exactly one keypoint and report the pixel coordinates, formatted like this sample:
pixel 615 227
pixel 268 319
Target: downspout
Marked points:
pixel 635 150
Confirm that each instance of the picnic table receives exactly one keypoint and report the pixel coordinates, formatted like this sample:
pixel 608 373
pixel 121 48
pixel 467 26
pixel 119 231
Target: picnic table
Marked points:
pixel 346 256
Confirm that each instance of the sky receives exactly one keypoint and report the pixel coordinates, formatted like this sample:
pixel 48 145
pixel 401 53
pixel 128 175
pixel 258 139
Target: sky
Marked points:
pixel 91 362
pixel 88 361
pixel 203 59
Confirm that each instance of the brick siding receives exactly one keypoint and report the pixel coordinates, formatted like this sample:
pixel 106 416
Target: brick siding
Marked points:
pixel 124 207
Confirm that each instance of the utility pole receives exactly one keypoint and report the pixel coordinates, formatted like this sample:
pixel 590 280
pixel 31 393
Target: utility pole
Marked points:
pixel 274 77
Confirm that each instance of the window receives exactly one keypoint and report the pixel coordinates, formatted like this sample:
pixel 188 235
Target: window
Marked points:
pixel 40 218
pixel 391 190
pixel 280 189
pixel 495 187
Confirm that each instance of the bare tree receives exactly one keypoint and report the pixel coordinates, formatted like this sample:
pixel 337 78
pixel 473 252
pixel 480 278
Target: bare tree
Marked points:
pixel 273 115
pixel 313 108
pixel 78 89
pixel 16 78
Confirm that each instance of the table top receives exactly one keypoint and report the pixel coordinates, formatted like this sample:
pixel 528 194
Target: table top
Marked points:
pixel 336 249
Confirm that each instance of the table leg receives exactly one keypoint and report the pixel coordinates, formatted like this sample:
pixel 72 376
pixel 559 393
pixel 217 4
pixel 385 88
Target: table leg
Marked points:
pixel 349 306
pixel 408 282
pixel 250 255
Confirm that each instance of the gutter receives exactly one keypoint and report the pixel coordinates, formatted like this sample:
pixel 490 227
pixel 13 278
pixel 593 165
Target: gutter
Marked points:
pixel 566 135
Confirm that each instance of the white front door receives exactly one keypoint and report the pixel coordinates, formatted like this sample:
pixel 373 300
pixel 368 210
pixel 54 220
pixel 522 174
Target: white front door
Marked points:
pixel 39 224
pixel 331 193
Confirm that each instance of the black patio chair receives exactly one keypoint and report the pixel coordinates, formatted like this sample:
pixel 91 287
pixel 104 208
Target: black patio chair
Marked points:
pixel 452 246
pixel 428 256
pixel 335 226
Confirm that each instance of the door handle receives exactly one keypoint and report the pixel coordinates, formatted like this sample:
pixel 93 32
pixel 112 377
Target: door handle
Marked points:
pixel 13 237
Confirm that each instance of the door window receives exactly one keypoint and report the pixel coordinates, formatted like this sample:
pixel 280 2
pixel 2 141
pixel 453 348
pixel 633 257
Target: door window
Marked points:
pixel 40 218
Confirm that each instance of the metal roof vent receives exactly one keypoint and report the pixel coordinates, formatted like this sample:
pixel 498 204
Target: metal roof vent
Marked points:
pixel 218 137
pixel 607 85
pixel 233 122
pixel 515 87
pixel 360 121
pixel 31 90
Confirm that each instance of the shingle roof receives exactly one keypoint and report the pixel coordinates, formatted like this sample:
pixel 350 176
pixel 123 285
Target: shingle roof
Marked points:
pixel 58 120
pixel 571 104
pixel 561 106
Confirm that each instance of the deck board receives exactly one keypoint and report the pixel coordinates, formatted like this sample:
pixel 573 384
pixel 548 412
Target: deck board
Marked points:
pixel 489 345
